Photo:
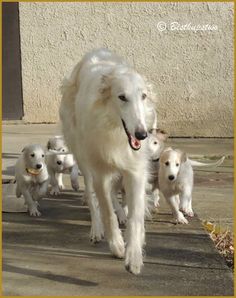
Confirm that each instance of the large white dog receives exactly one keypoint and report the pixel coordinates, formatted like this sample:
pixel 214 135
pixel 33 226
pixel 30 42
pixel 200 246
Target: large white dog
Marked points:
pixel 105 112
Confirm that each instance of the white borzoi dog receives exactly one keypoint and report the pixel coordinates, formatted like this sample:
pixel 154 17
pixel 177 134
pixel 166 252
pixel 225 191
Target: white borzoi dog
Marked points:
pixel 105 112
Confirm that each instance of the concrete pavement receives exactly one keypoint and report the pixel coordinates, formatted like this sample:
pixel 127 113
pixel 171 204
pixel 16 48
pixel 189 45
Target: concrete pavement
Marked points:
pixel 51 255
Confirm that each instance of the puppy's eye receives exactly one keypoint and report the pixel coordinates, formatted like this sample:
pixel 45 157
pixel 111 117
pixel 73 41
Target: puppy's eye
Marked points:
pixel 42 155
pixel 32 155
pixel 144 96
pixel 177 164
pixel 63 150
pixel 155 143
pixel 122 97
pixel 167 163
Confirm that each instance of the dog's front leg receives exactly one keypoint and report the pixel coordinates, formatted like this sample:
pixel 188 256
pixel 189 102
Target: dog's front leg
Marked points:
pixel 174 204
pixel 97 231
pixel 134 184
pixel 102 185
pixel 41 190
pixel 74 175
pixel 60 181
pixel 54 182
pixel 186 202
pixel 32 205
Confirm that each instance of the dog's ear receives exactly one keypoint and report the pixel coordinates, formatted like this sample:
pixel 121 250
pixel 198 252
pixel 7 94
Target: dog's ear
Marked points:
pixel 23 149
pixel 105 88
pixel 183 157
pixel 162 134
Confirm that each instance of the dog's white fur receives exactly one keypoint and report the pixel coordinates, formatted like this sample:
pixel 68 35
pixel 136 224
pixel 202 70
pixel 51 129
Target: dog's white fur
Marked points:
pixel 91 114
pixel 32 187
pixel 60 164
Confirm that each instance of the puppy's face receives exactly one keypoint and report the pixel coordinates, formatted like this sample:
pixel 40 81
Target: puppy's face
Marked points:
pixel 59 162
pixel 170 162
pixel 57 143
pixel 34 157
pixel 156 140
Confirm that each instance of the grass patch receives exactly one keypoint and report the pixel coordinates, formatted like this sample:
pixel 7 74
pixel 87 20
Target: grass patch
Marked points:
pixel 223 240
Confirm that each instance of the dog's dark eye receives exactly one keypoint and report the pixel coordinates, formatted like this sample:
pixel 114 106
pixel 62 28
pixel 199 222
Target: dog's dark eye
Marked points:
pixel 144 96
pixel 63 150
pixel 155 143
pixel 177 164
pixel 32 155
pixel 42 155
pixel 167 163
pixel 122 97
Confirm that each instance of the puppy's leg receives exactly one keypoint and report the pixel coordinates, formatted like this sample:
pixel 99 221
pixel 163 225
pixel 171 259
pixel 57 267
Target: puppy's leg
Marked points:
pixel 60 181
pixel 54 182
pixel 32 205
pixel 135 234
pixel 41 190
pixel 18 191
pixel 119 210
pixel 74 177
pixel 178 215
pixel 97 231
pixel 186 202
pixel 102 185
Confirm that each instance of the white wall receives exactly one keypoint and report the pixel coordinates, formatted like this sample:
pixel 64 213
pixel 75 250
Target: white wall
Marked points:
pixel 192 71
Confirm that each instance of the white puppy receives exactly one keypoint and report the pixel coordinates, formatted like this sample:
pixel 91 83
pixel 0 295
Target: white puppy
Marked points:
pixel 32 177
pixel 59 164
pixel 175 179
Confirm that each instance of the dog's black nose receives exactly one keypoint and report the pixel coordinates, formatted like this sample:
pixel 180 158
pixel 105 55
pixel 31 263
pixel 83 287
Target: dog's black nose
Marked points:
pixel 59 162
pixel 140 134
pixel 39 166
pixel 171 177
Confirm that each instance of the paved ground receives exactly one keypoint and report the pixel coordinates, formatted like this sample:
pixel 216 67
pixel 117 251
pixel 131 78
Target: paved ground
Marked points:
pixel 51 255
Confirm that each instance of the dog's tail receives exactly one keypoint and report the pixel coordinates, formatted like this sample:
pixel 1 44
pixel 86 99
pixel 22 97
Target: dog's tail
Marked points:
pixel 195 163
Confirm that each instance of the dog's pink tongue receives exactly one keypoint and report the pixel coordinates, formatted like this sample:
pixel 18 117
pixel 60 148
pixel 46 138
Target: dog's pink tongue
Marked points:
pixel 135 143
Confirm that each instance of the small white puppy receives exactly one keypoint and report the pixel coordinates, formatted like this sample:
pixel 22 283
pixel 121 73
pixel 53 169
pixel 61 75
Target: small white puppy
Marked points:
pixel 32 177
pixel 176 182
pixel 59 164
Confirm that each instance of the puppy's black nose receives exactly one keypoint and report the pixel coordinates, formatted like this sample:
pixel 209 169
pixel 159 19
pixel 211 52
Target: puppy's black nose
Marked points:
pixel 140 134
pixel 59 162
pixel 39 166
pixel 171 177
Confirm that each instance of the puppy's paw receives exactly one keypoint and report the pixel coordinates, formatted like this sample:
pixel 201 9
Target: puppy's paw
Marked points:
pixel 117 246
pixel 181 219
pixel 188 212
pixel 133 260
pixel 33 211
pixel 75 186
pixel 122 218
pixel 61 186
pixel 55 191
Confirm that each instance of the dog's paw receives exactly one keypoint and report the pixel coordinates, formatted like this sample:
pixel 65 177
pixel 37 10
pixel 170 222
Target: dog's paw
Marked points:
pixel 187 211
pixel 96 234
pixel 117 246
pixel 33 211
pixel 133 260
pixel 54 191
pixel 181 219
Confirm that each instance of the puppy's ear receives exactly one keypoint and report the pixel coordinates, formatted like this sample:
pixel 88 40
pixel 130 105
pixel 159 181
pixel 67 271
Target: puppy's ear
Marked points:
pixel 23 149
pixel 183 157
pixel 48 145
pixel 162 134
